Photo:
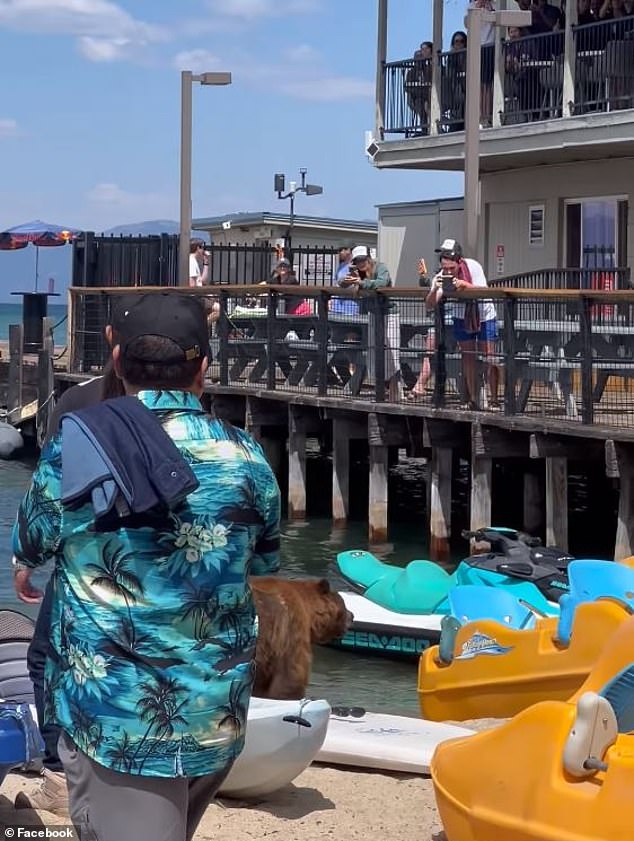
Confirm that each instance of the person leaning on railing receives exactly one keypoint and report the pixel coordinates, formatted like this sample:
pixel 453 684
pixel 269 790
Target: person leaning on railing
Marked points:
pixel 366 273
pixel 474 321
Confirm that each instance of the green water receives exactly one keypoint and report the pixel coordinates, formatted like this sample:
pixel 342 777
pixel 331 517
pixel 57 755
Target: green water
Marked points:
pixel 307 547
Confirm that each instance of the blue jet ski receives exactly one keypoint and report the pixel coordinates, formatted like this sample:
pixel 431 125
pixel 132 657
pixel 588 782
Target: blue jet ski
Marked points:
pixel 399 610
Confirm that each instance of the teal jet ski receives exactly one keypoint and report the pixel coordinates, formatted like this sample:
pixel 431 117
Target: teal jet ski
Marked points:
pixel 518 562
pixel 398 610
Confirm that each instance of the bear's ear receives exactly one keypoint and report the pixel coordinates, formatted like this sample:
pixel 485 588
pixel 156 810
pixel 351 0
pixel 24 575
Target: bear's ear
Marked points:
pixel 323 586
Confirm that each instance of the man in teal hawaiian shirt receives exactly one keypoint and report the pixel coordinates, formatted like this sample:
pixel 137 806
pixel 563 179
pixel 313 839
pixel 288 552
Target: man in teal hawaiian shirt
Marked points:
pixel 153 625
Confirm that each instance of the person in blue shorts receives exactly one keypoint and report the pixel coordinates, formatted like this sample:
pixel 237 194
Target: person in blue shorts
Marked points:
pixel 474 323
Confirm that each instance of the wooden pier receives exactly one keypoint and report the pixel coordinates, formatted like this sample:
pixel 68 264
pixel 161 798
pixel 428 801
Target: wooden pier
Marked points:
pixel 564 400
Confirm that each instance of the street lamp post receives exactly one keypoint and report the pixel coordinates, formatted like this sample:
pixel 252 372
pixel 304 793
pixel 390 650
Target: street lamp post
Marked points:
pixel 310 190
pixel 475 18
pixel 187 81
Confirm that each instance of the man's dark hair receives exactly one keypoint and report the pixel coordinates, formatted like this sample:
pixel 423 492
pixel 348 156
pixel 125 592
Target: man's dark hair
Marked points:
pixel 141 364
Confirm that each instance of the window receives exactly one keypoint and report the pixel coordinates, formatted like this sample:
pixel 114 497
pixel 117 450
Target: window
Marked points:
pixel 536 225
pixel 596 233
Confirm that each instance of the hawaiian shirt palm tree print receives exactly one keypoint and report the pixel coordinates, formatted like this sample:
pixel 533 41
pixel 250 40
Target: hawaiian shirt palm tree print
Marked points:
pixel 153 628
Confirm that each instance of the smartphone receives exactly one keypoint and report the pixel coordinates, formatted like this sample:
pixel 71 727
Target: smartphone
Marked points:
pixel 448 287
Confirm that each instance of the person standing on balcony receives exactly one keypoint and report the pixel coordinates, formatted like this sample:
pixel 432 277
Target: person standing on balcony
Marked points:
pixel 487 41
pixel 474 322
pixel 418 86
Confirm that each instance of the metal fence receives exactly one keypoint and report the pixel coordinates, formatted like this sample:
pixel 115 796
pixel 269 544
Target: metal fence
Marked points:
pixel 532 79
pixel 100 261
pixel 596 277
pixel 563 356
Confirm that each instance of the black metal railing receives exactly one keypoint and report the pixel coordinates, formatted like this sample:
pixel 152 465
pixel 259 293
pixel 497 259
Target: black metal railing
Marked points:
pixel 604 69
pixel 596 277
pixel 560 355
pixel 532 80
pixel 408 96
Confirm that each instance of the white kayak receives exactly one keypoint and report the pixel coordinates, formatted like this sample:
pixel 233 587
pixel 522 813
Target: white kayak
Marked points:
pixel 283 738
pixel 385 742
pixel 377 630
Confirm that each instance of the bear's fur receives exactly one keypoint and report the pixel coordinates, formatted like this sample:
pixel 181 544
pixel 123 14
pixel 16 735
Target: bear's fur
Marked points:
pixel 292 615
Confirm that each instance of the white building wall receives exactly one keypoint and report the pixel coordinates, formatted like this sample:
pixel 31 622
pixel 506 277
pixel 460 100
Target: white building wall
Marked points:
pixel 507 197
pixel 410 231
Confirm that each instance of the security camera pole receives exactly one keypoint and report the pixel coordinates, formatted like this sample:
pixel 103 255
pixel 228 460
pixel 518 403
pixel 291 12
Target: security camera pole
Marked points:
pixel 475 19
pixel 279 185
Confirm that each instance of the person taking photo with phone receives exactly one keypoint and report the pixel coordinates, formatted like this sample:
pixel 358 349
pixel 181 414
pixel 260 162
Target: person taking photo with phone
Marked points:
pixel 474 321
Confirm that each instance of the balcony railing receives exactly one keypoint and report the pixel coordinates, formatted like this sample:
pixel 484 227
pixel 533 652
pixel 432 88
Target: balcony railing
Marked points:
pixel 531 80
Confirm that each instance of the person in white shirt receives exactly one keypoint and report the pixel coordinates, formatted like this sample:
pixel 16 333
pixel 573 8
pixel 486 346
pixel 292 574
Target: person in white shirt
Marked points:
pixel 474 323
pixel 197 256
pixel 487 41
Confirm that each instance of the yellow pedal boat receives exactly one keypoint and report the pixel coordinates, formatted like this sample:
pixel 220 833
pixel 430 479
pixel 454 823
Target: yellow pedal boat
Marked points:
pixel 498 671
pixel 558 771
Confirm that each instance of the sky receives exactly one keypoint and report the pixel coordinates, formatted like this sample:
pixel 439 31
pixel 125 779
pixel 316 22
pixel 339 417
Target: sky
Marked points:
pixel 90 112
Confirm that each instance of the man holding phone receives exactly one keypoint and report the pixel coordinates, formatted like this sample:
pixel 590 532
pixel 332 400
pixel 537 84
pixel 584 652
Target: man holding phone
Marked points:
pixel 474 322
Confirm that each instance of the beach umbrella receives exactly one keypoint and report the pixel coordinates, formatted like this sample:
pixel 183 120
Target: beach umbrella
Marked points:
pixel 39 234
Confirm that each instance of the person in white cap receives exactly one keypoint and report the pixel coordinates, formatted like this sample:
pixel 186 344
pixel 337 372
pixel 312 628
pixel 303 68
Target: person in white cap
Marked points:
pixel 366 273
pixel 474 322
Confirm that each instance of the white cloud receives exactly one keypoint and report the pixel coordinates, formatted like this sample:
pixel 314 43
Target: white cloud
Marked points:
pixel 253 9
pixel 8 128
pixel 112 197
pixel 105 31
pixel 302 53
pixel 105 49
pixel 198 61
pixel 333 89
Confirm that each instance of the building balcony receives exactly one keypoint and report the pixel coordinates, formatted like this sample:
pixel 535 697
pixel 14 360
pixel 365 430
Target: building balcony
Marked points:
pixel 553 98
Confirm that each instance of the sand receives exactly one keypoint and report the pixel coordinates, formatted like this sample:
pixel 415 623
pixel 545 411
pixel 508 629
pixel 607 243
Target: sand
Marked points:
pixel 322 804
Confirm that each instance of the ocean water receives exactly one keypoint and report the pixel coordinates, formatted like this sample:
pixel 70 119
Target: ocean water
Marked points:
pixel 12 314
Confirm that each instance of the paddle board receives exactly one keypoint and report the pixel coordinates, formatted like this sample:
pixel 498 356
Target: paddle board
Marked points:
pixel 282 740
pixel 387 742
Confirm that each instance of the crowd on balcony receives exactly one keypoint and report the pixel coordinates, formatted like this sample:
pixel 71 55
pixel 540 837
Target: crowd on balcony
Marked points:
pixel 533 65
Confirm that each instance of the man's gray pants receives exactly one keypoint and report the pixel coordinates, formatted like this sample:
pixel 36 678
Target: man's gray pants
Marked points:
pixel 107 805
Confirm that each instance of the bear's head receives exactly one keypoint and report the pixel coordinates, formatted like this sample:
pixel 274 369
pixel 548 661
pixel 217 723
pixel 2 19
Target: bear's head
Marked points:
pixel 329 618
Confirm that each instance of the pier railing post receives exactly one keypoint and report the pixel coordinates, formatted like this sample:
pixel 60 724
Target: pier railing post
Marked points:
pixel 510 353
pixel 223 336
pixel 271 344
pixel 585 327
pixel 378 303
pixel 440 378
pixel 45 380
pixel 322 342
pixel 14 386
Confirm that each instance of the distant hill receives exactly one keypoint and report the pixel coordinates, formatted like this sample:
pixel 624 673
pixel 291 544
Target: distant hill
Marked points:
pixel 151 228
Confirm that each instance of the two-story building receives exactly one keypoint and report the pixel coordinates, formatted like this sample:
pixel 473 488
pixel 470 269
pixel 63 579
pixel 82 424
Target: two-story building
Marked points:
pixel 556 146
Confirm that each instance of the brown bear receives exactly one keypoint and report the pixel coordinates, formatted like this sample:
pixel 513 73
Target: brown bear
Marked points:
pixel 292 615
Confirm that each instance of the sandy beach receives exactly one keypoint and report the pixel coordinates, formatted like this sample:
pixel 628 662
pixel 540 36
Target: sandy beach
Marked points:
pixel 322 803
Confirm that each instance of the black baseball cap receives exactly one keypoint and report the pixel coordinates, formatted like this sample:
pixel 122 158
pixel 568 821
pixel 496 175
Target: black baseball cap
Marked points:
pixel 174 316
pixel 450 248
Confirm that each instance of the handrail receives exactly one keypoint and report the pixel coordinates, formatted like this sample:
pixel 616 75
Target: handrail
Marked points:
pixel 487 293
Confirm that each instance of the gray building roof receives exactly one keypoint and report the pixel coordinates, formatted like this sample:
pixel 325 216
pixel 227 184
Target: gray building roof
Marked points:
pixel 266 217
